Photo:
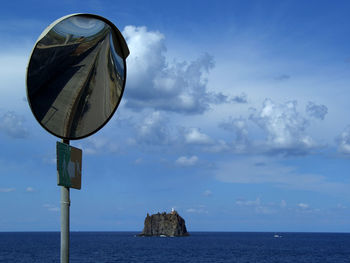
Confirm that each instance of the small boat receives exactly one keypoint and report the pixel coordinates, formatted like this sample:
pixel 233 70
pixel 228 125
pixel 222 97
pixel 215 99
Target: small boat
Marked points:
pixel 277 236
pixel 162 235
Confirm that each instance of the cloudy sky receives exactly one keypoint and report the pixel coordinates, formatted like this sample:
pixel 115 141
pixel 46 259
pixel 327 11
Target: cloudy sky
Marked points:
pixel 235 114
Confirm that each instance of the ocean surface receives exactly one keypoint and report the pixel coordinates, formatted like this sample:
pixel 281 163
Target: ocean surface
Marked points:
pixel 213 247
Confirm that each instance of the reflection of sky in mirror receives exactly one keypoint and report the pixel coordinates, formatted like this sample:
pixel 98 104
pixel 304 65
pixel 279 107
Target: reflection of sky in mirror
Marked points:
pixel 79 26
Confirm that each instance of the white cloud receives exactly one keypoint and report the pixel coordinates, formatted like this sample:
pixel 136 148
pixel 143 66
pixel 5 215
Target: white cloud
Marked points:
pixel 303 206
pixel 187 161
pixel 284 129
pixel 30 189
pixel 153 129
pixel 13 125
pixel 343 141
pixel 218 146
pixel 98 144
pixel 316 111
pixel 153 82
pixel 240 98
pixel 284 126
pixel 195 136
pixel 239 127
pixel 7 190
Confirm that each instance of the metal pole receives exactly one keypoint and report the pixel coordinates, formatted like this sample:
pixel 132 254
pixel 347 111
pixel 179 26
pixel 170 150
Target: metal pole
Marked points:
pixel 65 204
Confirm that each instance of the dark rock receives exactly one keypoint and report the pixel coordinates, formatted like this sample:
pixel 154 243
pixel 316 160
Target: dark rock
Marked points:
pixel 164 224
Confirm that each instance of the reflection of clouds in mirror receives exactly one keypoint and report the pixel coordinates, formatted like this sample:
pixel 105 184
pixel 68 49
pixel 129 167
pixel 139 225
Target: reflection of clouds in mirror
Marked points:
pixel 79 26
pixel 83 22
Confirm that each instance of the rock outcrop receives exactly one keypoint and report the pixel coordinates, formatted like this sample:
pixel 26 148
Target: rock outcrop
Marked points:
pixel 163 224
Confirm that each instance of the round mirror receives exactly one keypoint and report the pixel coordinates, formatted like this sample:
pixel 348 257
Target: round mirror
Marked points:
pixel 76 75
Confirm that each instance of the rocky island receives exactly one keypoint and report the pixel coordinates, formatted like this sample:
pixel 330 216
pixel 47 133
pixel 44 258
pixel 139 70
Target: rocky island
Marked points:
pixel 163 224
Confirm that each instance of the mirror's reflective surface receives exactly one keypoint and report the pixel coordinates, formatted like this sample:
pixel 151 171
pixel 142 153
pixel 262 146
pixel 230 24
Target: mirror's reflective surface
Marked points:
pixel 75 76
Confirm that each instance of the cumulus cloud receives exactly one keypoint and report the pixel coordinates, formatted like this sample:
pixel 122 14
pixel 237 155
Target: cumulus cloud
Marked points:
pixel 195 136
pixel 155 83
pixel 153 129
pixel 219 98
pixel 239 127
pixel 284 126
pixel 343 141
pixel 303 206
pixel 240 99
pixel 156 129
pixel 316 111
pixel 187 161
pixel 306 208
pixel 30 189
pixel 217 146
pixel 98 144
pixel 13 125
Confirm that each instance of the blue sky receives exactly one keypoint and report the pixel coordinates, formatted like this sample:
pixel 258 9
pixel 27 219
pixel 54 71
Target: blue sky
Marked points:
pixel 234 113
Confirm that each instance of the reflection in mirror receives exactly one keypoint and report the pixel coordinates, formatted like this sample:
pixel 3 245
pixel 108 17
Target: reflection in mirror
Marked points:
pixel 75 76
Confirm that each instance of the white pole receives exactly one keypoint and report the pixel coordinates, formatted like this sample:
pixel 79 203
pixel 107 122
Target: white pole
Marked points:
pixel 65 204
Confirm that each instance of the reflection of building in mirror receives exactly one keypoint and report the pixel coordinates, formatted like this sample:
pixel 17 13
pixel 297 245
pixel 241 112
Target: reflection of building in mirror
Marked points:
pixel 76 77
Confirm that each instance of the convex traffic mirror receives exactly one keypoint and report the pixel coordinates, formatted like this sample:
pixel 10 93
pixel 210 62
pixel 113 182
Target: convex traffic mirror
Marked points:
pixel 76 75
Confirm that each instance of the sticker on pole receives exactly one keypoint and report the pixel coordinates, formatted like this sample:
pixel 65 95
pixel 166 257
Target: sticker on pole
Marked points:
pixel 68 166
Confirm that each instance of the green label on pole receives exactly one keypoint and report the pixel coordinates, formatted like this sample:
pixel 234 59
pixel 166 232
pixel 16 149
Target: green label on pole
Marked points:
pixel 68 166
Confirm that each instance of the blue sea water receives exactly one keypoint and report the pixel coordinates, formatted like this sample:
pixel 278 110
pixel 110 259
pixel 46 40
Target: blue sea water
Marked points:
pixel 213 247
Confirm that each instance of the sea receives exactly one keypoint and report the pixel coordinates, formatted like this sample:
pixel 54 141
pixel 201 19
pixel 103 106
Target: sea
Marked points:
pixel 211 247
